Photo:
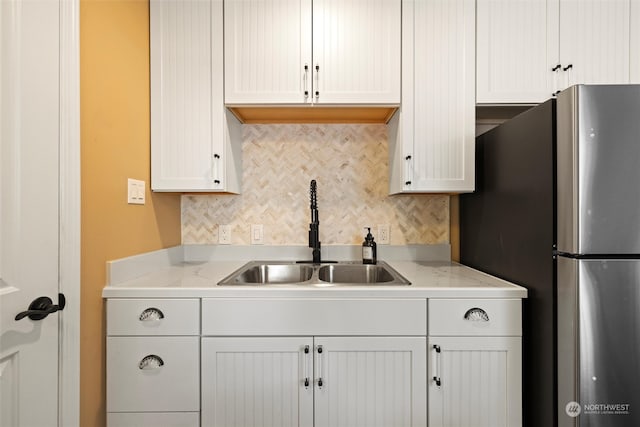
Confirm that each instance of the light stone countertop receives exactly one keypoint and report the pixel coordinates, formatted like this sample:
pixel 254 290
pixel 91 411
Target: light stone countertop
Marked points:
pixel 159 278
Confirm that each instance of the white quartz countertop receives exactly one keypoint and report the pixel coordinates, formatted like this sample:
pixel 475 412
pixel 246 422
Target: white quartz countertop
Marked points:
pixel 198 279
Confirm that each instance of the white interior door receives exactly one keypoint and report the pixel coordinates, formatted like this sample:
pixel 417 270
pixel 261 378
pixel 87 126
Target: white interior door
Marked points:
pixel 29 209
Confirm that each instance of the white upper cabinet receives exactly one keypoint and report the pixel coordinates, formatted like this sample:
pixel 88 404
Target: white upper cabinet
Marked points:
pixel 432 137
pixel 195 143
pixel 517 48
pixel 267 47
pixel 297 52
pixel 529 50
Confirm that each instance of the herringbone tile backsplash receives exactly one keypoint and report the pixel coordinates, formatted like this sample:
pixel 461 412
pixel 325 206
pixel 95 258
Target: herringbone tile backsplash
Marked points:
pixel 350 165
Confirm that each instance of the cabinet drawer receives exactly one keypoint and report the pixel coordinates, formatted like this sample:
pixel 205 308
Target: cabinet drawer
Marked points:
pixel 144 419
pixel 150 374
pixel 222 316
pixel 475 317
pixel 153 317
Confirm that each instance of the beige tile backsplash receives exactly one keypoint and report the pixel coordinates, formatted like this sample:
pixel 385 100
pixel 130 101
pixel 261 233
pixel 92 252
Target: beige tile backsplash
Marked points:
pixel 350 165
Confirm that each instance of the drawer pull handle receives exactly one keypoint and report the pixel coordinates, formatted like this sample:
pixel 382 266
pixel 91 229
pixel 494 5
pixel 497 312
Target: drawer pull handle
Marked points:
pixel 151 314
pixel 151 362
pixel 476 314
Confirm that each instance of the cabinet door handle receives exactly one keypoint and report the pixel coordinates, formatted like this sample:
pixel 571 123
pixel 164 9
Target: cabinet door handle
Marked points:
pixel 320 351
pixel 306 366
pixel 151 361
pixel 436 366
pixel 567 75
pixel 476 314
pixel 408 170
pixel 305 78
pixel 216 169
pixel 555 71
pixel 151 314
pixel 317 88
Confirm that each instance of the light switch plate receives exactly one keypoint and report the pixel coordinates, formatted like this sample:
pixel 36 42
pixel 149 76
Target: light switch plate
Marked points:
pixel 257 234
pixel 135 192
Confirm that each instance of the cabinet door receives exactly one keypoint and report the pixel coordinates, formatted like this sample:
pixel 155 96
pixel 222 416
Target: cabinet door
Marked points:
pixel 356 49
pixel 635 42
pixel 267 45
pixel 256 381
pixel 595 41
pixel 370 381
pixel 190 132
pixel 475 381
pixel 432 139
pixel 517 48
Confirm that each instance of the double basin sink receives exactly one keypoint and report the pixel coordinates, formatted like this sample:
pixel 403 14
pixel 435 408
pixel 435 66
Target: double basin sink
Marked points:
pixel 258 273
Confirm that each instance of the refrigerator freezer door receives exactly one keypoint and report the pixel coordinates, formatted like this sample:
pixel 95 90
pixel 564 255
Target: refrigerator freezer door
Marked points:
pixel 598 342
pixel 598 153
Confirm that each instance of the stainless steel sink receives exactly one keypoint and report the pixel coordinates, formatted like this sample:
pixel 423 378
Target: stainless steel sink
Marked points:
pixel 258 273
pixel 268 274
pixel 355 273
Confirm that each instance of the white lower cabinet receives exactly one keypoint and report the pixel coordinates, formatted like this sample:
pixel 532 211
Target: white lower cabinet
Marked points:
pixel 307 381
pixel 370 381
pixel 257 381
pixel 314 362
pixel 475 381
pixel 153 362
pixel 475 362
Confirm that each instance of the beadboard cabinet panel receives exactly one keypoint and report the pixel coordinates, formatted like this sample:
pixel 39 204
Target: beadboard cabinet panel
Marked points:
pixel 356 51
pixel 299 52
pixel 595 41
pixel 432 138
pixel 194 142
pixel 530 50
pixel 475 381
pixel 370 381
pixel 257 381
pixel 516 49
pixel 267 45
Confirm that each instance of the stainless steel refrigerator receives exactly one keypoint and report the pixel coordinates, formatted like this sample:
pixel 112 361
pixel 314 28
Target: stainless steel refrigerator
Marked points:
pixel 557 210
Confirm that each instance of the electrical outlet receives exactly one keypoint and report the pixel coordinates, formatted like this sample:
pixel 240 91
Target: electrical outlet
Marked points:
pixel 384 234
pixel 257 234
pixel 224 234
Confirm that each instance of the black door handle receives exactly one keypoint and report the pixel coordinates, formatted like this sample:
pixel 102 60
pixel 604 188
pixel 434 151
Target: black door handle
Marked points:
pixel 41 307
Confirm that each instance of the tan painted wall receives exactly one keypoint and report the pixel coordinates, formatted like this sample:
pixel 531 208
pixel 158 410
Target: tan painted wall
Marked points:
pixel 114 71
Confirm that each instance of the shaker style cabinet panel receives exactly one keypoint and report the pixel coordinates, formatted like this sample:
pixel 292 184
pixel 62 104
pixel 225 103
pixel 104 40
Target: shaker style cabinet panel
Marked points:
pixel 475 381
pixel 195 143
pixel 529 50
pixel 296 52
pixel 432 137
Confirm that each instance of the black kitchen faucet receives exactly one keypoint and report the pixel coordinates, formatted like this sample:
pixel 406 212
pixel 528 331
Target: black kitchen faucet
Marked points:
pixel 314 226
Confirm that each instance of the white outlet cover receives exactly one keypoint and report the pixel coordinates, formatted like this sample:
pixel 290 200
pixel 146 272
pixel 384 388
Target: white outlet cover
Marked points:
pixel 224 234
pixel 384 234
